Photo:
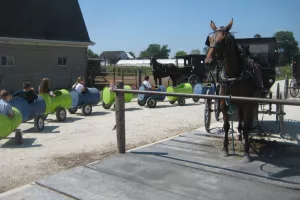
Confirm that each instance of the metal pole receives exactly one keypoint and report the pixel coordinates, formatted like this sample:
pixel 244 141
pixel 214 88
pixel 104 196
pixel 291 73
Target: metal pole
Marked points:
pixel 218 97
pixel 120 118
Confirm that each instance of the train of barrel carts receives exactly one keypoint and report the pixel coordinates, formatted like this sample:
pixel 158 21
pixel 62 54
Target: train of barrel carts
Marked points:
pixel 58 102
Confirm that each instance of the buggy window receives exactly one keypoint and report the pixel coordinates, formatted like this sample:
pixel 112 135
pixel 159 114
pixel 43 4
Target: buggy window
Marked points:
pixel 259 48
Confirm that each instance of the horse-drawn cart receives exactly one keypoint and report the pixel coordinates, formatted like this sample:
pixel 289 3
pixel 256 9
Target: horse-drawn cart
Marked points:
pixel 264 50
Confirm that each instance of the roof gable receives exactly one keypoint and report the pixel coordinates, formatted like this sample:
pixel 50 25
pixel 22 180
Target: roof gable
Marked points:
pixel 110 54
pixel 59 20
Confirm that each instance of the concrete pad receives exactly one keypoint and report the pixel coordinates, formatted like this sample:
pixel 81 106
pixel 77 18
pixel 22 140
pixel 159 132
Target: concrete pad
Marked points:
pixel 187 181
pixel 86 183
pixel 271 171
pixel 32 192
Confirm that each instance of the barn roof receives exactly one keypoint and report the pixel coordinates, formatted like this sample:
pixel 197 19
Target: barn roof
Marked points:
pixel 110 54
pixel 59 20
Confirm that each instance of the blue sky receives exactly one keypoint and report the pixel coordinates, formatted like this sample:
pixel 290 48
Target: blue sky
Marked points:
pixel 183 25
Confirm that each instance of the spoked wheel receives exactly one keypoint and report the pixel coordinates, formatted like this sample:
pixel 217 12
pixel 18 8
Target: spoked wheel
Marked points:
pixel 61 114
pixel 207 113
pixel 39 123
pixel 193 79
pixel 151 102
pixel 86 109
pixel 72 110
pixel 277 97
pixel 181 101
pixel 281 116
pixel 106 106
pixel 294 89
pixel 141 102
pixel 217 109
pixel 286 86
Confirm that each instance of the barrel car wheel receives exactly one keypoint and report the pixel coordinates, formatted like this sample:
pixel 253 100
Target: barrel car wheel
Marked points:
pixel 172 102
pixel 61 114
pixel 141 102
pixel 151 102
pixel 106 106
pixel 181 101
pixel 195 99
pixel 39 123
pixel 86 109
pixel 72 110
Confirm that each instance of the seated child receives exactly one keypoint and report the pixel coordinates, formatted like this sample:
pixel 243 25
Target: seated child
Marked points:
pixel 5 108
pixel 44 87
pixel 79 85
pixel 27 93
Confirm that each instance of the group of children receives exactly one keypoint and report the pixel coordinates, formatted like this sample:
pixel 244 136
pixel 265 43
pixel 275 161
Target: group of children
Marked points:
pixel 30 95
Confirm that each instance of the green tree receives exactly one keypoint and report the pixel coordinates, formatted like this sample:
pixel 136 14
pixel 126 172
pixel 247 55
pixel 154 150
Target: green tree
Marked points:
pixel 91 54
pixel 257 36
pixel 205 49
pixel 160 52
pixel 132 54
pixel 195 51
pixel 286 41
pixel 181 53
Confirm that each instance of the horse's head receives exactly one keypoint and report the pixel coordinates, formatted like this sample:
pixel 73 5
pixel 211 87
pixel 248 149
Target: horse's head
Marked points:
pixel 217 42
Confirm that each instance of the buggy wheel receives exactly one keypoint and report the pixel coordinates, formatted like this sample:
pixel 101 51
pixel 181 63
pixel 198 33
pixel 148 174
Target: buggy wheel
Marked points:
pixel 106 106
pixel 86 109
pixel 286 85
pixel 294 89
pixel 72 110
pixel 181 101
pixel 39 123
pixel 277 97
pixel 217 109
pixel 141 102
pixel 195 99
pixel 193 79
pixel 61 114
pixel 281 116
pixel 207 113
pixel 151 102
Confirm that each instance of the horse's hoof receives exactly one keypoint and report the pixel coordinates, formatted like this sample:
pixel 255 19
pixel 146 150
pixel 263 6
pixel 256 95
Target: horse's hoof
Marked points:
pixel 224 154
pixel 246 159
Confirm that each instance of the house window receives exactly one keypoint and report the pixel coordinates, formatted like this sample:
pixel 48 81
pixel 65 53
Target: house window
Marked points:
pixel 7 61
pixel 62 61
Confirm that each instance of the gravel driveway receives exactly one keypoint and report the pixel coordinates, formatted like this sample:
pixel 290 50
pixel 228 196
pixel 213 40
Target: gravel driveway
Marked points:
pixel 81 140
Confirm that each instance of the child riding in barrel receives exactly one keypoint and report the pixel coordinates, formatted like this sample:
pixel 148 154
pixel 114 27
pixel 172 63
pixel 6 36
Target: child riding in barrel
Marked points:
pixel 27 93
pixel 5 108
pixel 44 87
pixel 147 84
pixel 79 85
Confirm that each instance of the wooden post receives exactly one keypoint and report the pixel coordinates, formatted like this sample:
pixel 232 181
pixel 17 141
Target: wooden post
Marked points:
pixel 120 118
pixel 122 74
pixel 139 73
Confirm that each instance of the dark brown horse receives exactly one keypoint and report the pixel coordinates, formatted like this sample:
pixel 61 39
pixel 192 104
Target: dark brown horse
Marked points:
pixel 235 80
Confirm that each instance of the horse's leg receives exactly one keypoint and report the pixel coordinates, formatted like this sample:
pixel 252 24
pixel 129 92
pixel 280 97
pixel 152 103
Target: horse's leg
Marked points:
pixel 240 126
pixel 247 112
pixel 160 81
pixel 226 127
pixel 155 80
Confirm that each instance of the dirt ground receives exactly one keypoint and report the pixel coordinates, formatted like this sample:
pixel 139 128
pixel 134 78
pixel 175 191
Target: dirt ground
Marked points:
pixel 81 140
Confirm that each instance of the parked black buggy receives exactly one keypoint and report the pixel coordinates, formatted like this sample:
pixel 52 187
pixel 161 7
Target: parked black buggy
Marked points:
pixel 264 51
